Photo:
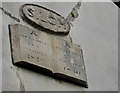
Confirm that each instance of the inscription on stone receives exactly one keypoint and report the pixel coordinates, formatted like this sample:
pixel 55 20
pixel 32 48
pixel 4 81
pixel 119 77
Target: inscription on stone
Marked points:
pixel 39 16
pixel 62 58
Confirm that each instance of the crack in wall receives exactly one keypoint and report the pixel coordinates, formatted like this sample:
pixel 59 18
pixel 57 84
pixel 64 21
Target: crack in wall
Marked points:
pixel 9 14
pixel 22 87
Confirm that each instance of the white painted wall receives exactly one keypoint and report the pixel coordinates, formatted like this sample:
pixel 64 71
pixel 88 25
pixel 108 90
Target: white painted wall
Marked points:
pixel 96 30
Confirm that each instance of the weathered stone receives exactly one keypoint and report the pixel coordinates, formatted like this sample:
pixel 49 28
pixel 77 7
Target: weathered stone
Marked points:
pixel 47 53
pixel 39 16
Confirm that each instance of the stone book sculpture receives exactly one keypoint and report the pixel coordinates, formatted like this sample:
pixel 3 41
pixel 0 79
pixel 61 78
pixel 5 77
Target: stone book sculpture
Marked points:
pixel 44 52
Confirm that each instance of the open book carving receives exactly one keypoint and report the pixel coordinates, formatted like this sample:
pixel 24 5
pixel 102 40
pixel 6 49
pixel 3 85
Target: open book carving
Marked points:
pixel 37 50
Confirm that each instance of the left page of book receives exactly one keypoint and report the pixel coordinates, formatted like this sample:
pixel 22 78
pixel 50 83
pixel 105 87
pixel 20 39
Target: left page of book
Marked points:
pixel 30 46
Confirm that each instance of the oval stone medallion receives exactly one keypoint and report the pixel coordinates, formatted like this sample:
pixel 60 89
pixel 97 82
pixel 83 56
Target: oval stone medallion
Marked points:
pixel 41 17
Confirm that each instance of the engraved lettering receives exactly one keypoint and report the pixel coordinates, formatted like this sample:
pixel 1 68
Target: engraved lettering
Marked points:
pixel 51 19
pixel 45 18
pixel 68 68
pixel 33 33
pixel 25 36
pixel 42 17
pixel 76 72
pixel 32 57
pixel 30 12
pixel 35 58
pixel 28 56
pixel 38 59
pixel 44 21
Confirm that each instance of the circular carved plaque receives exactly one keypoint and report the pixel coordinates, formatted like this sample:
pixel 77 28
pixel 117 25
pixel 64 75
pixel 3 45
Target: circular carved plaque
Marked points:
pixel 39 16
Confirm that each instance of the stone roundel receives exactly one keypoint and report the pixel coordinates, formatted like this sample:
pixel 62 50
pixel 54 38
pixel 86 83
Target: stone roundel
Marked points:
pixel 41 17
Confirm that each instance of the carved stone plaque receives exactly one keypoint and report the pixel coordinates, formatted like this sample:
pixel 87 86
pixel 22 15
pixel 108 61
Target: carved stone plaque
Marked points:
pixel 39 16
pixel 44 52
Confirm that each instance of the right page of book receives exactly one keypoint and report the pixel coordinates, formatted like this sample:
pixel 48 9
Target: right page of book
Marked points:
pixel 69 62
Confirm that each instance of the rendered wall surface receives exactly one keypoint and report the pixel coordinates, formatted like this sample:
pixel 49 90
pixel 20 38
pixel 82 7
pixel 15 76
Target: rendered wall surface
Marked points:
pixel 96 30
